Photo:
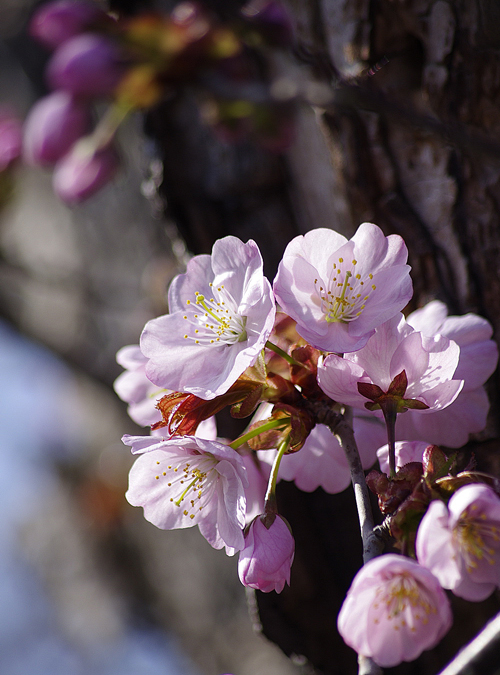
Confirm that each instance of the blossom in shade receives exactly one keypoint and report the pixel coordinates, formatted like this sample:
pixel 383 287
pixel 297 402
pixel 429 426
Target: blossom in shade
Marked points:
pixel 84 171
pixel 186 481
pixel 460 543
pixel 267 556
pixel 339 291
pixel 394 610
pixel 53 125
pixel 321 462
pixel 406 452
pixel 429 365
pixel 55 22
pixel 478 360
pixel 86 65
pixel 222 312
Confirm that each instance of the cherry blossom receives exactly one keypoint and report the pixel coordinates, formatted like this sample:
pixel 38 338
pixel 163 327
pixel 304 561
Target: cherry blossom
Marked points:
pixel 460 543
pixel 478 360
pixel 186 481
pixel 394 610
pixel 222 311
pixel 267 557
pixel 339 291
pixel 429 365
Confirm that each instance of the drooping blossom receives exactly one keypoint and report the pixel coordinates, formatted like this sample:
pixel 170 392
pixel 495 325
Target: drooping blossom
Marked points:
pixel 84 171
pixel 460 543
pixel 186 481
pixel 394 610
pixel 87 65
pixel 222 312
pixel 478 359
pixel 406 452
pixel 429 365
pixel 267 557
pixel 53 125
pixel 56 22
pixel 339 291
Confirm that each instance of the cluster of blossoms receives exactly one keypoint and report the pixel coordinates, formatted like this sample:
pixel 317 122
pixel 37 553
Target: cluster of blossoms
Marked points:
pixel 132 63
pixel 339 347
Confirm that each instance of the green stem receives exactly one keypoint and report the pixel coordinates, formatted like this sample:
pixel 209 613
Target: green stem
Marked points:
pixel 109 123
pixel 287 357
pixel 271 508
pixel 271 424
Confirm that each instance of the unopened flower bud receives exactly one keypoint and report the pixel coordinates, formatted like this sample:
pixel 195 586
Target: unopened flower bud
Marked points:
pixel 83 172
pixel 266 560
pixel 53 125
pixel 87 65
pixel 56 22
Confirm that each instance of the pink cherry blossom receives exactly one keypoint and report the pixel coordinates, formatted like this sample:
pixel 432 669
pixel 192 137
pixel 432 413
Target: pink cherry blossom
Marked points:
pixel 186 481
pixel 460 543
pixel 406 452
pixel 267 557
pixel 478 360
pixel 429 364
pixel 222 312
pixel 339 291
pixel 394 610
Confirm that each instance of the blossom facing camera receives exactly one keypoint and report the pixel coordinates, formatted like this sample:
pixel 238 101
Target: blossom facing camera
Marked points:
pixel 267 557
pixel 394 610
pixel 83 172
pixel 56 22
pixel 53 125
pixel 339 291
pixel 87 65
pixel 186 481
pixel 222 312
pixel 460 543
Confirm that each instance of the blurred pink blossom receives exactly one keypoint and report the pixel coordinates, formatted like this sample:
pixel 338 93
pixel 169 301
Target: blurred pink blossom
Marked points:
pixel 460 543
pixel 55 22
pixel 267 557
pixel 339 291
pixel 406 452
pixel 394 610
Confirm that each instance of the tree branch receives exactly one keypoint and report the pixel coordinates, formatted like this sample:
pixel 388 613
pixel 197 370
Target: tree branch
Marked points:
pixel 479 657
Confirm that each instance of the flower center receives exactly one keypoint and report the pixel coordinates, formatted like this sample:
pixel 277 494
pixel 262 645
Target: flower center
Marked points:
pixel 343 297
pixel 218 320
pixel 404 602
pixel 474 537
pixel 191 483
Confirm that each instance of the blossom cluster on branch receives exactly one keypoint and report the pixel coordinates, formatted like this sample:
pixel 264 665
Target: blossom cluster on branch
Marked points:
pixel 326 343
pixel 126 64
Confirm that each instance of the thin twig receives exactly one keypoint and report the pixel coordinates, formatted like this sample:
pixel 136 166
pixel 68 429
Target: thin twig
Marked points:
pixel 481 656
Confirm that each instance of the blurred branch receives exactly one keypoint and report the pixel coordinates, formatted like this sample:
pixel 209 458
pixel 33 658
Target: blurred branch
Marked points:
pixel 481 656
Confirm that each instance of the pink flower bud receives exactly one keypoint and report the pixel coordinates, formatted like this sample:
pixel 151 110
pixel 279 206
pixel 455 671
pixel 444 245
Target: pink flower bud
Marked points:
pixel 56 22
pixel 86 65
pixel 82 172
pixel 53 125
pixel 266 560
pixel 394 610
pixel 10 139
